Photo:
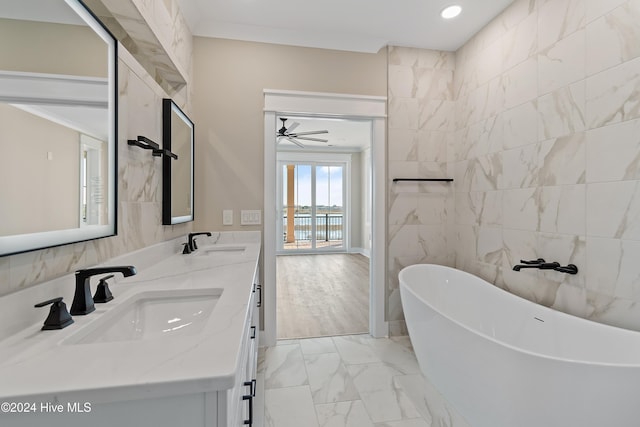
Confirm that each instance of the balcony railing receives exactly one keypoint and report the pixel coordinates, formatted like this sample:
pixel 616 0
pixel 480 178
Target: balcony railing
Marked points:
pixel 329 227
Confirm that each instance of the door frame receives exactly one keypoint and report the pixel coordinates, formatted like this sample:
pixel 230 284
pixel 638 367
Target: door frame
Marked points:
pixel 373 108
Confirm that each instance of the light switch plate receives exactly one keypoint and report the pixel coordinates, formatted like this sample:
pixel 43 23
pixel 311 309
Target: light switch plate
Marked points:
pixel 250 217
pixel 227 217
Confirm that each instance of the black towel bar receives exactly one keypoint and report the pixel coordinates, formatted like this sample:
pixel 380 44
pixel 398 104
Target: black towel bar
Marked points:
pixel 424 179
pixel 147 144
pixel 143 142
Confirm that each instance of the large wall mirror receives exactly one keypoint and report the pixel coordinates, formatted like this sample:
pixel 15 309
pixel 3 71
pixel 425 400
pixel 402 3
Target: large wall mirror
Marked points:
pixel 58 94
pixel 177 173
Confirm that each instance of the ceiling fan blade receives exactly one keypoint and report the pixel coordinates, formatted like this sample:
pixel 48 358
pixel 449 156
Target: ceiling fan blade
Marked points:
pixel 298 143
pixel 306 138
pixel 311 132
pixel 293 126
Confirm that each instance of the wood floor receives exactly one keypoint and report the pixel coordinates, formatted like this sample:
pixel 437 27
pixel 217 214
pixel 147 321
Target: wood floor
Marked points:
pixel 322 295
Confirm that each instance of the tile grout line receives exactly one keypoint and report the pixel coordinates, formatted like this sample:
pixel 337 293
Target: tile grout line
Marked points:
pixel 306 371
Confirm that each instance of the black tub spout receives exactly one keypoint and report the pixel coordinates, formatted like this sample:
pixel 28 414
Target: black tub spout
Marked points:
pixel 540 266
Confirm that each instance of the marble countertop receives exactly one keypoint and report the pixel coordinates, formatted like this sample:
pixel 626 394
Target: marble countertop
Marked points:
pixel 46 366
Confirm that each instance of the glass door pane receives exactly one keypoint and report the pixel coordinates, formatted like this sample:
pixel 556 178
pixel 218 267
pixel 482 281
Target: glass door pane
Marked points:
pixel 313 207
pixel 298 229
pixel 329 206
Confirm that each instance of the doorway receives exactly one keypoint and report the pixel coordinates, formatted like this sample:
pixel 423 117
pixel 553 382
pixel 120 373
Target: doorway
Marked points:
pixel 92 153
pixel 371 108
pixel 322 272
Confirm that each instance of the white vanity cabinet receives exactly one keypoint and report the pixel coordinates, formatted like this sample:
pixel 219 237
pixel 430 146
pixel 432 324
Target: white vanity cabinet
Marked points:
pixel 203 379
pixel 241 399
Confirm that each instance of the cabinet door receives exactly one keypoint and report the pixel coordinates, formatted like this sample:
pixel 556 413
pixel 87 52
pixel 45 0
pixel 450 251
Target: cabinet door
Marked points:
pixel 248 367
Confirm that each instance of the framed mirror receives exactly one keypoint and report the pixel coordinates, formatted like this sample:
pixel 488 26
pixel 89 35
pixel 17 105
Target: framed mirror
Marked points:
pixel 177 173
pixel 58 135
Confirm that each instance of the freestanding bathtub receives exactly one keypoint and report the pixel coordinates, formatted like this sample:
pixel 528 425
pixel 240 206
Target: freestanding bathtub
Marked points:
pixel 503 361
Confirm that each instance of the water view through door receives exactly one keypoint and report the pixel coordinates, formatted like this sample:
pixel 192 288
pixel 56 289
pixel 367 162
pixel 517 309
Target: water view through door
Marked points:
pixel 313 214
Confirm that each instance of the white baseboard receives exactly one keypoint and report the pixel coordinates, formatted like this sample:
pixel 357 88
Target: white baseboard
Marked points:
pixel 361 251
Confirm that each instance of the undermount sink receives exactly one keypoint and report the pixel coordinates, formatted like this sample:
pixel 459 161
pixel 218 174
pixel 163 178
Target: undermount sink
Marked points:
pixel 152 315
pixel 221 249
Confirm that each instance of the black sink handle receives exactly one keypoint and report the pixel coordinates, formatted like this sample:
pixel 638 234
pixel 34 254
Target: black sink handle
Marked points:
pixel 569 269
pixel 47 302
pixel 103 293
pixel 59 317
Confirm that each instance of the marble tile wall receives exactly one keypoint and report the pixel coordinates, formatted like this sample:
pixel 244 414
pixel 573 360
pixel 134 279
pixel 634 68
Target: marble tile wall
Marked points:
pixel 170 28
pixel 420 131
pixel 157 35
pixel 547 149
pixel 139 185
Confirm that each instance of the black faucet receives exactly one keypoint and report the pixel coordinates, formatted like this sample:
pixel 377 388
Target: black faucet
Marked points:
pixel 542 265
pixel 539 263
pixel 192 241
pixel 82 299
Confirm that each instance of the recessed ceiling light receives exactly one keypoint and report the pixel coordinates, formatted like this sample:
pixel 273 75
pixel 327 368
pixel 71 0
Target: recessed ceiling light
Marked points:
pixel 451 11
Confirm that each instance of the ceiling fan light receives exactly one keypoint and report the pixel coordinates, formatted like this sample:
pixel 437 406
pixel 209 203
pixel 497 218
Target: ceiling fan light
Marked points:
pixel 450 12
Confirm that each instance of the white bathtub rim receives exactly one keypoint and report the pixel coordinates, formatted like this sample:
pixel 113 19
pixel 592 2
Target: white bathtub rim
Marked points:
pixel 558 313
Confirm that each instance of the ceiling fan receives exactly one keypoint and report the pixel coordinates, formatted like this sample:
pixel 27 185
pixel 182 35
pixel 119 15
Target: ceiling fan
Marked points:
pixel 294 137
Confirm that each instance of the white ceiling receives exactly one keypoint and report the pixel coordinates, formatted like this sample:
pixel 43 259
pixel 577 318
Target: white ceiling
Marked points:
pixel 40 10
pixel 351 25
pixel 344 135
pixel 354 25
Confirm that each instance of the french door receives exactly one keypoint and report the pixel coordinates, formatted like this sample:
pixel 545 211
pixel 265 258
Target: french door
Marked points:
pixel 314 211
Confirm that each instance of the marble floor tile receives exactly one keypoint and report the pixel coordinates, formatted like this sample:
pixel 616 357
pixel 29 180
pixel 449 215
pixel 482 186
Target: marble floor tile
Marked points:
pixel 317 345
pixel 382 398
pixel 288 342
pixel 347 381
pixel 396 353
pixel 355 349
pixel 328 379
pixel 283 366
pixel 429 402
pixel 416 422
pixel 388 405
pixel 289 407
pixel 258 405
pixel 403 340
pixel 343 414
